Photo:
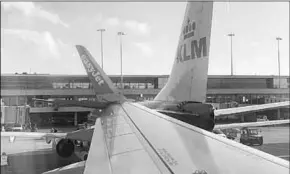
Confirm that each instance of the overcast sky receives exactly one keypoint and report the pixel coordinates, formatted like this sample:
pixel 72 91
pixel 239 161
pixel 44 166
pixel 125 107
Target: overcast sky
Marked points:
pixel 40 36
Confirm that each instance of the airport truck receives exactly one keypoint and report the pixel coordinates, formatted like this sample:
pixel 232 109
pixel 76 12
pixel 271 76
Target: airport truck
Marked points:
pixel 251 136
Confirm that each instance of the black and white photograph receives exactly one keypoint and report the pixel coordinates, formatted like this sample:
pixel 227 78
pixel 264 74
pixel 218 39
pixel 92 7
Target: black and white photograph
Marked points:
pixel 137 87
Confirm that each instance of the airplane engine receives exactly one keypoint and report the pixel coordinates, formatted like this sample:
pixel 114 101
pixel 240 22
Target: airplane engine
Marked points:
pixel 65 148
pixel 84 155
pixel 204 114
pixel 194 113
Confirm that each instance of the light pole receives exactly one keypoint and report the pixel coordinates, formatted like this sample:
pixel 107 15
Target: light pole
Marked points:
pixel 278 39
pixel 231 35
pixel 120 34
pixel 102 30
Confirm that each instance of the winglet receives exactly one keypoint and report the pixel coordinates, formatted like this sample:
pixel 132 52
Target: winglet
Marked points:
pixel 102 84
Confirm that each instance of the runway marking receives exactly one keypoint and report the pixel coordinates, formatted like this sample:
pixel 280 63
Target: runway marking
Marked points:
pixel 283 156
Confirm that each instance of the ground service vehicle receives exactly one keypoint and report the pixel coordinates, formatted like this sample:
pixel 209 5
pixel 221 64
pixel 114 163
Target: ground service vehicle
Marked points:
pixel 232 133
pixel 251 136
pixel 219 132
pixel 262 118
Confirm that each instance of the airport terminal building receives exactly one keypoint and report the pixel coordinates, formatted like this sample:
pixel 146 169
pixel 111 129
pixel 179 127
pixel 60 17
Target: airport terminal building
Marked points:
pixel 224 90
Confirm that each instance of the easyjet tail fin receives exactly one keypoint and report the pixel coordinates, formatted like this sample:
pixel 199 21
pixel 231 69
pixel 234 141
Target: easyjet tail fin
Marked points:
pixel 188 78
pixel 102 84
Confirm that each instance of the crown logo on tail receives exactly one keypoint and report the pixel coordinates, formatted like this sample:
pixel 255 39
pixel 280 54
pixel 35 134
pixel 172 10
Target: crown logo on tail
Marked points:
pixel 188 29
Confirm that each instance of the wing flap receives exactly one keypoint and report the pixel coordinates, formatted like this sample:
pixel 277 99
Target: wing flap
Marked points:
pixel 197 150
pixel 98 158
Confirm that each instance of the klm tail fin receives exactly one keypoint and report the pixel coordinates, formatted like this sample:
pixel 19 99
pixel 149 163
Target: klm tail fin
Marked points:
pixel 102 84
pixel 188 78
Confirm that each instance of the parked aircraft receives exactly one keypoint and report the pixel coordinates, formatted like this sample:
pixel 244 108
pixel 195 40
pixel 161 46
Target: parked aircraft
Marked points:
pixel 148 134
pixel 167 135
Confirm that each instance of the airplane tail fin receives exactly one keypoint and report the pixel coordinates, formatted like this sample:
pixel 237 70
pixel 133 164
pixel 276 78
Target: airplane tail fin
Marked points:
pixel 188 78
pixel 102 84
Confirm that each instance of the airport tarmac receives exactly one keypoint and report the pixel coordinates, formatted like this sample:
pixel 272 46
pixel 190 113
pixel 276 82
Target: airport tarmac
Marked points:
pixel 277 149
pixel 33 156
pixel 276 134
pixel 276 141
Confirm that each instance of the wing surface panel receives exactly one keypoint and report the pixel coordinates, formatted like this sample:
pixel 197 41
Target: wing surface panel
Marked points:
pixel 116 146
pixel 187 149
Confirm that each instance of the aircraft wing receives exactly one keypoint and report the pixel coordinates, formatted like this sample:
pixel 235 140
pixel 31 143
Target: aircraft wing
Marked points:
pixel 13 136
pixel 32 134
pixel 131 138
pixel 84 135
pixel 252 108
pixel 83 103
pixel 252 124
